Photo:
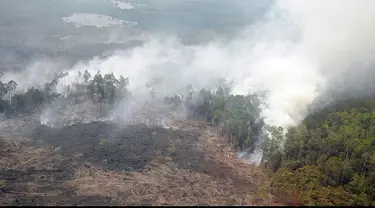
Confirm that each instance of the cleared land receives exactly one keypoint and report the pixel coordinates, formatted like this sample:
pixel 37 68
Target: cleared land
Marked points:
pixel 112 164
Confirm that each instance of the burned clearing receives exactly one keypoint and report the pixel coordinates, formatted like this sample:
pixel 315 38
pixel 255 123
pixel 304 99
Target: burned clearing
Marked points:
pixel 103 163
pixel 122 147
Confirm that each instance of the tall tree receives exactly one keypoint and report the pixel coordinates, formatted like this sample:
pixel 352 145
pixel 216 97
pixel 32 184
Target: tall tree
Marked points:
pixel 86 77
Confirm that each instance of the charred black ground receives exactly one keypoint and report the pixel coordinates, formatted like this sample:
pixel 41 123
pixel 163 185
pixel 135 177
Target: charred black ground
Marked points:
pixel 122 147
pixel 106 163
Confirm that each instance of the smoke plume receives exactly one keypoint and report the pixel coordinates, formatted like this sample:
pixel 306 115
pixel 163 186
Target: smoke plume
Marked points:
pixel 298 51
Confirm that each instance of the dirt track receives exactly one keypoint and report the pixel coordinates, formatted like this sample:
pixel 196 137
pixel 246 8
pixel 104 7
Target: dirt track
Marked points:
pixel 111 164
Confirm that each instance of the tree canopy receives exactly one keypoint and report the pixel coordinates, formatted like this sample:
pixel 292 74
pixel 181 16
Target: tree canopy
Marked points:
pixel 329 159
pixel 103 89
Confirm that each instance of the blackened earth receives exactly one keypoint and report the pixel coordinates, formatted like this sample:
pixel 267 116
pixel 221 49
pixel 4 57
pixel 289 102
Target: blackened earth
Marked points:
pixel 123 147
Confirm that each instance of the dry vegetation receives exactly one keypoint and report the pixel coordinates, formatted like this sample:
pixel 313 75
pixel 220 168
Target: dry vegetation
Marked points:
pixel 25 170
pixel 41 175
pixel 20 156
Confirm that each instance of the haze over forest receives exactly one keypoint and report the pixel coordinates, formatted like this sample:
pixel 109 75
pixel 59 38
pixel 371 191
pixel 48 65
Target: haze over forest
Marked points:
pixel 288 84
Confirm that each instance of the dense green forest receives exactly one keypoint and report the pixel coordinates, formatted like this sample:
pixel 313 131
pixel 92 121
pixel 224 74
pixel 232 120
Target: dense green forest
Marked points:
pixel 236 116
pixel 329 159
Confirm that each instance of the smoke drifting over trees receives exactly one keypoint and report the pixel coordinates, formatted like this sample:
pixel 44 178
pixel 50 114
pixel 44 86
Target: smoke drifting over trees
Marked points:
pixel 296 53
pixel 265 89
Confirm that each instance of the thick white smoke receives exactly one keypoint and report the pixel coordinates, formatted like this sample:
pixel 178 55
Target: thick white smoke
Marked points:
pixel 294 53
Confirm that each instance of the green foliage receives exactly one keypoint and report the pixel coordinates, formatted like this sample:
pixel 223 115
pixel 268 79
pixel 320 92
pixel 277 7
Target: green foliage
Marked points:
pixel 31 99
pixel 101 89
pixel 236 115
pixel 330 158
pixel 272 147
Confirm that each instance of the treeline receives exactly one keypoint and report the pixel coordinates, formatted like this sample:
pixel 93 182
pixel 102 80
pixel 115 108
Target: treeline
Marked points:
pixel 329 159
pixel 236 116
pixel 98 88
